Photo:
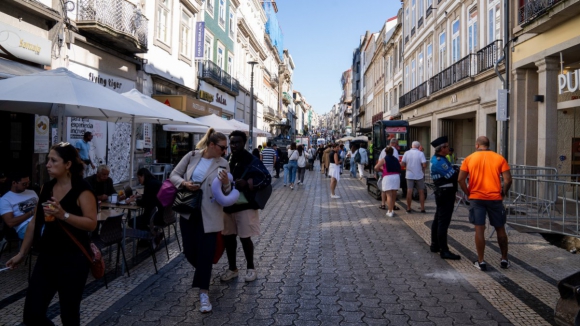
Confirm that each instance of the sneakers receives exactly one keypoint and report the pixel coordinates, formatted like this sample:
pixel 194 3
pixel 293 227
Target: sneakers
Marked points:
pixel 204 301
pixel 481 266
pixel 291 187
pixel 250 275
pixel 334 196
pixel 390 214
pixel 284 185
pixel 228 275
pixel 505 264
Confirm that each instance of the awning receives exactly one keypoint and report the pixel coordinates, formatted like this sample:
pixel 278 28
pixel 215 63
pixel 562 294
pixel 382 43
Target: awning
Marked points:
pixel 9 69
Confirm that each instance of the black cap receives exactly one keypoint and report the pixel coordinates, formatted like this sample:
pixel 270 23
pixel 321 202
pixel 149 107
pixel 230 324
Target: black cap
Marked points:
pixel 440 141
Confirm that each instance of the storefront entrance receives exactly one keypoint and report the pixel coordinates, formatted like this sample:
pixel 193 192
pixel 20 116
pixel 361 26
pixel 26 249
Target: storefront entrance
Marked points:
pixel 172 146
pixel 17 143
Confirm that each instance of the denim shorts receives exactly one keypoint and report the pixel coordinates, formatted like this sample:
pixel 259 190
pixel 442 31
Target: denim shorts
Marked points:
pixel 493 208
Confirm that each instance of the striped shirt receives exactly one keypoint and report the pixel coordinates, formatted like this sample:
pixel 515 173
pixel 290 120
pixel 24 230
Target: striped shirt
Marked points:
pixel 268 155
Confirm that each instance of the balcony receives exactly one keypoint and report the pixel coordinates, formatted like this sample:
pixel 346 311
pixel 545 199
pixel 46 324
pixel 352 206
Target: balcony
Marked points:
pixel 469 66
pixel 286 98
pixel 214 75
pixel 533 9
pixel 118 23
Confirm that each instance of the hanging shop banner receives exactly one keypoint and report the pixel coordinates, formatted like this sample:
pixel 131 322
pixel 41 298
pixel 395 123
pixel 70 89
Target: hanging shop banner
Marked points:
pixel 15 43
pixel 199 39
pixel 76 127
pixel 41 134
pixel 147 135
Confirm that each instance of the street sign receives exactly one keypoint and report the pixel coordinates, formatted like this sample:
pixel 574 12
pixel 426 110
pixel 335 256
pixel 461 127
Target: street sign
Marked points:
pixel 502 104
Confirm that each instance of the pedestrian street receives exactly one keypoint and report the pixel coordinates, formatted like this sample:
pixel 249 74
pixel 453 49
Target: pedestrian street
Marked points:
pixel 336 262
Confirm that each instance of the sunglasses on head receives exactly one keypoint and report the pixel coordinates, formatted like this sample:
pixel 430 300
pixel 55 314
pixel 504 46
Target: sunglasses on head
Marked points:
pixel 63 144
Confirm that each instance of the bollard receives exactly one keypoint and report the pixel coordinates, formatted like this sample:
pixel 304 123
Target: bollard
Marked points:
pixel 568 306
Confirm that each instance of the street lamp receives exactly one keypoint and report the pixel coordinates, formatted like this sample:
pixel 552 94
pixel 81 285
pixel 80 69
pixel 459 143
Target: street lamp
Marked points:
pixel 252 63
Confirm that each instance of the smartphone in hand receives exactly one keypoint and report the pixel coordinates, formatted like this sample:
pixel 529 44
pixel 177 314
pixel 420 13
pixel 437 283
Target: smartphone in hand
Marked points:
pixel 220 169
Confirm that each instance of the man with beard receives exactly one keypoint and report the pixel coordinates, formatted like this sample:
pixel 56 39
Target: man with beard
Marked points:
pixel 242 218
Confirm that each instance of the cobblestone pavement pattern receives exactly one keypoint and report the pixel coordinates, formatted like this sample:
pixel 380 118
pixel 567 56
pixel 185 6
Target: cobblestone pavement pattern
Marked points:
pixel 323 261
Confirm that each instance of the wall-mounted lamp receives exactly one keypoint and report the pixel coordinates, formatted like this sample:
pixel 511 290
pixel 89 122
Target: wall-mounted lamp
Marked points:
pixel 539 98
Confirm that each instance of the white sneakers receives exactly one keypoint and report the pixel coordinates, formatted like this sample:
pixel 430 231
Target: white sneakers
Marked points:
pixel 205 306
pixel 228 275
pixel 390 213
pixel 251 275
pixel 334 196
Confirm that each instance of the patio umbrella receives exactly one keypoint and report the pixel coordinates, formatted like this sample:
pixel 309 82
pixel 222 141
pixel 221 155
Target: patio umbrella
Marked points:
pixel 347 138
pixel 217 123
pixel 165 115
pixel 245 127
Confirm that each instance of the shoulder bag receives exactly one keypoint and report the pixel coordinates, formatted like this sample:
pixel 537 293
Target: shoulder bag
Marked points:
pixel 186 201
pixel 96 259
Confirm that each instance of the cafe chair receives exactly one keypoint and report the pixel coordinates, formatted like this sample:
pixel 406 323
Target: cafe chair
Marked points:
pixel 145 235
pixel 169 218
pixel 10 238
pixel 158 170
pixel 112 233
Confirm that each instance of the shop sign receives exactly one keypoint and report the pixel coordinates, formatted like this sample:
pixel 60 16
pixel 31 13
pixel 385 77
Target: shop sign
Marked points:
pixel 223 100
pixel 15 43
pixel 199 39
pixel 114 83
pixel 205 96
pixel 565 81
pixel 147 135
pixel 189 105
pixel 41 134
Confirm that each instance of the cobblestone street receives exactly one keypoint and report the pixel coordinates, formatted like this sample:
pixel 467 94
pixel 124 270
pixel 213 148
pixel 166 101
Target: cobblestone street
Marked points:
pixel 323 261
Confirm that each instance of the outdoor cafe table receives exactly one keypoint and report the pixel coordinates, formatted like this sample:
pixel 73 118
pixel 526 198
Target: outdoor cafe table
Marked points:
pixel 130 208
pixel 105 214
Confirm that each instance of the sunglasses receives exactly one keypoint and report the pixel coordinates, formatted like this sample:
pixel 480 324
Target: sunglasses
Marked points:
pixel 222 147
pixel 63 144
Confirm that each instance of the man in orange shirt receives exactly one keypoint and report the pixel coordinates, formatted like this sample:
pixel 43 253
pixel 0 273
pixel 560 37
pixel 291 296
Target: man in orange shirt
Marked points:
pixel 486 194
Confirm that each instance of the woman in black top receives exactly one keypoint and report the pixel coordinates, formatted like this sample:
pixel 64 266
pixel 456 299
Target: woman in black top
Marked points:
pixel 61 265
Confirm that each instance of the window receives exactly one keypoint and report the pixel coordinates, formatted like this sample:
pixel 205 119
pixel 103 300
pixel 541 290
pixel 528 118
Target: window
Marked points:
pixel 209 7
pixel 230 68
pixel 420 9
pixel 407 77
pixel 163 20
pixel 455 42
pixel 472 31
pixel 413 74
pixel 232 24
pixel 494 20
pixel 420 69
pixel 220 56
pixel 222 15
pixel 429 61
pixel 413 16
pixel 185 37
pixel 208 48
pixel 407 28
pixel 442 52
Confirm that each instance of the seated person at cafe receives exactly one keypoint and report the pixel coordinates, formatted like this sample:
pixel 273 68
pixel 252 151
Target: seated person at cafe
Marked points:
pixel 101 183
pixel 148 200
pixel 17 205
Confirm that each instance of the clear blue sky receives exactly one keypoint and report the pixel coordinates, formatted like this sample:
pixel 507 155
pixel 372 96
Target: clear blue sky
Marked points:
pixel 321 35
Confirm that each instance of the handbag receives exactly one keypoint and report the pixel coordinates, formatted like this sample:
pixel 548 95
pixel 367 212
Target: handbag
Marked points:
pixel 262 196
pixel 96 259
pixel 167 193
pixel 186 202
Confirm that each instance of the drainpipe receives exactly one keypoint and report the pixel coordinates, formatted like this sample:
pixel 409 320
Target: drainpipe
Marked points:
pixel 506 81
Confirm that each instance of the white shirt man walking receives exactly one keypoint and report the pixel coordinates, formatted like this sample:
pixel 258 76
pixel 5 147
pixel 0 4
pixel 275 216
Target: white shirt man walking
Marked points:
pixel 415 163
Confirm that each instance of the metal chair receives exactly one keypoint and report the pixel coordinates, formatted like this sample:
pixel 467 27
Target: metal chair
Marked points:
pixel 158 170
pixel 112 233
pixel 169 218
pixel 144 235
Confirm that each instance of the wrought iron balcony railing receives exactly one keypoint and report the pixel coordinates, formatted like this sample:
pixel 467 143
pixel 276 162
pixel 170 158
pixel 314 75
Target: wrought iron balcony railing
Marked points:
pixel 488 56
pixel 213 74
pixel 532 9
pixel 119 22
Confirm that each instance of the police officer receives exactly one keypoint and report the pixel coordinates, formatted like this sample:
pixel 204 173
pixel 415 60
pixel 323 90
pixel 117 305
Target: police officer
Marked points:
pixel 445 179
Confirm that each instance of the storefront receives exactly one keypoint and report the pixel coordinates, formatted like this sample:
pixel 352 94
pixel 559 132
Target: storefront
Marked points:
pixel 171 146
pixel 23 52
pixel 218 98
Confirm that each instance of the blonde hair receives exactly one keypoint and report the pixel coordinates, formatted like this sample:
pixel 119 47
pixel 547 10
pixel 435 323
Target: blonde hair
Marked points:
pixel 211 136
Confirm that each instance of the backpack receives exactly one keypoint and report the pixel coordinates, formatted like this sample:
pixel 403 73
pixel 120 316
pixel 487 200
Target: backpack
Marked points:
pixel 357 157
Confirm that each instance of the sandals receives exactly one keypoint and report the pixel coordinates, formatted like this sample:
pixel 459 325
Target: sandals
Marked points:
pixel 382 207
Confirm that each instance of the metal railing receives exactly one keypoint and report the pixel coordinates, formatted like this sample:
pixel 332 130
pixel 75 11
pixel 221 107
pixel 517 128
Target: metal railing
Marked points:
pixel 488 56
pixel 468 66
pixel 533 9
pixel 120 15
pixel 210 71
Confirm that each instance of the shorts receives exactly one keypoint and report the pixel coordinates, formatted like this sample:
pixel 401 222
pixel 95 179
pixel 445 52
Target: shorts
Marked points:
pixel 494 209
pixel 391 182
pixel 420 184
pixel 334 171
pixel 244 223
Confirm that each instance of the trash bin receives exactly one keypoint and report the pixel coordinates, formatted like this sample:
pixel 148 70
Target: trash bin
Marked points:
pixel 567 307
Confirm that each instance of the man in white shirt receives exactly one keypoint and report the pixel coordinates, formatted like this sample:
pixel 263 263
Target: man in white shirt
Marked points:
pixel 415 163
pixel 17 205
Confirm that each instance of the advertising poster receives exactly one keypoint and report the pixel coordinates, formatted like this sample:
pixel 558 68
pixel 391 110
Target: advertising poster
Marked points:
pixel 147 135
pixel 76 127
pixel 41 134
